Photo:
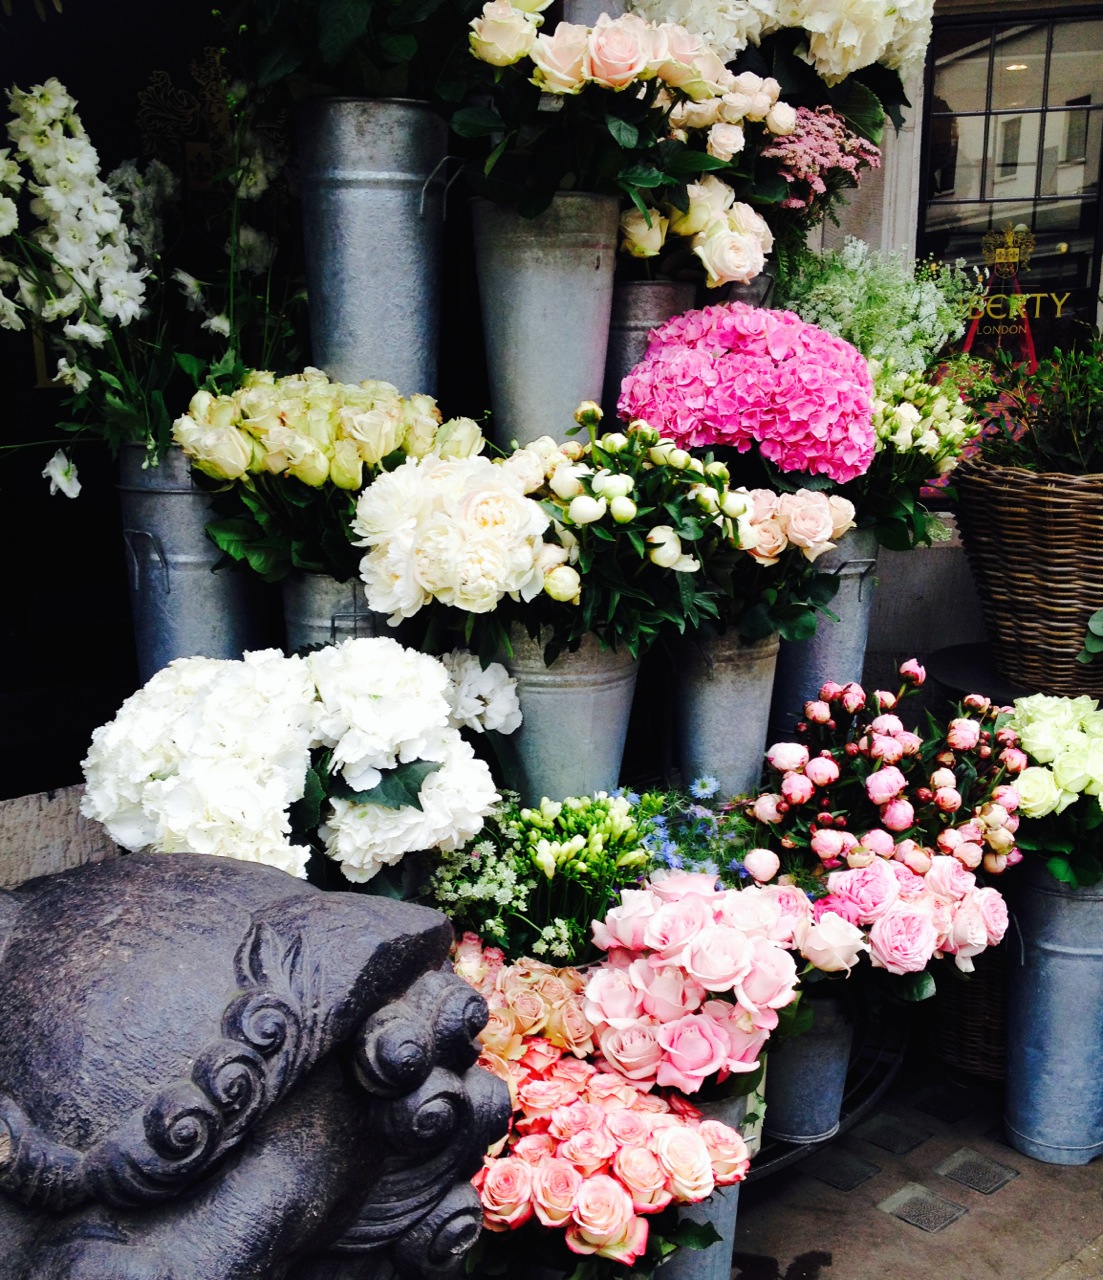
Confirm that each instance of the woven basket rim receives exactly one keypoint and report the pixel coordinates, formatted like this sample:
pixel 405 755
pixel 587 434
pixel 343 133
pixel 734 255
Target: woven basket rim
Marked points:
pixel 980 465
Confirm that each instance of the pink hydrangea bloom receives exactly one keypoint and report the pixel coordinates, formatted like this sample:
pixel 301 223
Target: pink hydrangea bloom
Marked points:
pixel 741 376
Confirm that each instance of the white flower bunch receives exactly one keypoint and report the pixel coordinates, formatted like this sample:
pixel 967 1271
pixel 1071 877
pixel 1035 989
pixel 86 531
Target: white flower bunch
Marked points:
pixel 728 26
pixel 912 415
pixel 92 276
pixel 315 430
pixel 875 302
pixel 1064 739
pixel 210 755
pixel 481 698
pixel 457 530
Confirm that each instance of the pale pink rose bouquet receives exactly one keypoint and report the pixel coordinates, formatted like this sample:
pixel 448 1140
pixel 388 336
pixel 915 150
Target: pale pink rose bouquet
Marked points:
pixel 887 831
pixel 593 1165
pixel 695 978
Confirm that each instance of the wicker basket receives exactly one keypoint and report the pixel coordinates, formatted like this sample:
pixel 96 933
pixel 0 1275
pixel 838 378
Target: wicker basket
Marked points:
pixel 1035 544
pixel 969 1016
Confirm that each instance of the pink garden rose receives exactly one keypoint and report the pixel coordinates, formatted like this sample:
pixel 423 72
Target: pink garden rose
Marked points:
pixel 885 784
pixel 613 998
pixel 674 925
pixel 506 1193
pixel 993 911
pixel 555 1184
pixel 727 1151
pixel 644 1177
pixel 671 885
pixel 833 944
pixel 912 886
pixel 871 889
pixel 685 1159
pixel 794 913
pixel 616 55
pixel 623 926
pixel 771 981
pixel 634 1051
pixel 949 879
pixel 695 1049
pixel 903 940
pixel 718 957
pixel 605 1223
pixel 667 993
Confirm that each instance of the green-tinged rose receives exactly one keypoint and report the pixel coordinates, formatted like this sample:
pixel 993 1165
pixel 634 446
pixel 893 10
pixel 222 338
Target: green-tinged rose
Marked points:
pixel 1039 793
pixel 642 234
pixel 422 420
pixel 346 468
pixel 459 438
pixel 311 467
pixel 503 34
pixel 563 584
pixel 223 453
pixel 1073 765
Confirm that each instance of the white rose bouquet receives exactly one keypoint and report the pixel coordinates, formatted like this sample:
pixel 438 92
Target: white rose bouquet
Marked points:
pixel 293 452
pixel 623 537
pixel 353 752
pixel 1060 786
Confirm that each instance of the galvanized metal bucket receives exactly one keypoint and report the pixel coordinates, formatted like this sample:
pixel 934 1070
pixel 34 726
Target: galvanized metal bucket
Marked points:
pixel 576 711
pixel 546 289
pixel 1053 1107
pixel 638 307
pixel 180 608
pixel 723 709
pixel 838 649
pixel 720 1209
pixel 372 177
pixel 587 12
pixel 806 1079
pixel 320 610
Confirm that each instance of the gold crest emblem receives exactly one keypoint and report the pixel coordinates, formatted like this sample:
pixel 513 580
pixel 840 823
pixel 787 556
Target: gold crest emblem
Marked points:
pixel 1008 251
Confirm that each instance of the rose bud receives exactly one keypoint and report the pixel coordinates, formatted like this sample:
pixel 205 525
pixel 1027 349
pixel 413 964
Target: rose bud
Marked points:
pixel 948 799
pixel 762 864
pixel 969 854
pixel 830 691
pixel 995 863
pixel 913 672
pixel 885 700
pixel 859 857
pixel 853 698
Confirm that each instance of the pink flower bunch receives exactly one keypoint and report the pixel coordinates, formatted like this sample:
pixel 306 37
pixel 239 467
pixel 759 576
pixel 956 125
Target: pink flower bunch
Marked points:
pixel 676 947
pixel 528 998
pixel 885 828
pixel 821 148
pixel 589 1153
pixel 742 376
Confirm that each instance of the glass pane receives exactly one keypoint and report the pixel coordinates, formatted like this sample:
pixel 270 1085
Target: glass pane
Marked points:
pixel 960 69
pixel 1076 64
pixel 956 230
pixel 1019 67
pixel 956 152
pixel 1068 217
pixel 1012 156
pixel 1070 154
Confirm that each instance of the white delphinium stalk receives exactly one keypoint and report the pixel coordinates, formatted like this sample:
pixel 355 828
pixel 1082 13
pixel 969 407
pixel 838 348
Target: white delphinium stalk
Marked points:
pixel 94 271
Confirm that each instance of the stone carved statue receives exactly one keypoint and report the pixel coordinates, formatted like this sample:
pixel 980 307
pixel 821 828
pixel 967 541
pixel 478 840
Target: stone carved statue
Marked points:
pixel 211 1071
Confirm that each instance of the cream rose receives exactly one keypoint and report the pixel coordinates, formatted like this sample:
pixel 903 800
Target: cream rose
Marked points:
pixel 616 54
pixel 559 58
pixel 503 35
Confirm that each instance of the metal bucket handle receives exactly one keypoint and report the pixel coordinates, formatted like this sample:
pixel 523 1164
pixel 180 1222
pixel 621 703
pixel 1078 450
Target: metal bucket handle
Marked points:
pixel 130 536
pixel 864 569
pixel 447 185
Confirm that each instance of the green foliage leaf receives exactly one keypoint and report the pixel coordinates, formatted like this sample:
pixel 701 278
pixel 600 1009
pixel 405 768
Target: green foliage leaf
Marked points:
pixel 1059 869
pixel 914 987
pixel 693 1235
pixel 477 122
pixel 1095 623
pixel 642 175
pixel 625 134
pixel 192 366
pixel 398 788
pixel 861 108
pixel 340 24
pixel 398 47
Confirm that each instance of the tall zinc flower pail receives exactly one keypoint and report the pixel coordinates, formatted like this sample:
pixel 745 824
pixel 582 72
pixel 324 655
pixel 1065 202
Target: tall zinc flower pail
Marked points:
pixel 318 609
pixel 546 289
pixel 806 1077
pixel 1053 1108
pixel 638 307
pixel 179 606
pixel 723 708
pixel 372 179
pixel 838 649
pixel 720 1209
pixel 575 719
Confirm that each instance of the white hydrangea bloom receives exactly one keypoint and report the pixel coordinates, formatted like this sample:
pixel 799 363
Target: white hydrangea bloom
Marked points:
pixel 727 26
pixel 481 699
pixel 454 800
